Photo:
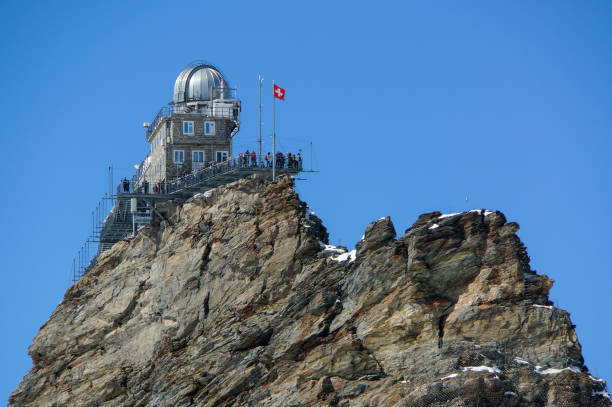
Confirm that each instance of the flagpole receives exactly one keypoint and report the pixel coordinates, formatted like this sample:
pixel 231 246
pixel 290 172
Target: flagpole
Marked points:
pixel 273 134
pixel 260 82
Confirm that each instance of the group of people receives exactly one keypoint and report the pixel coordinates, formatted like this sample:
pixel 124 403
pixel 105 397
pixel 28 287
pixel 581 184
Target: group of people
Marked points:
pixel 293 161
pixel 246 159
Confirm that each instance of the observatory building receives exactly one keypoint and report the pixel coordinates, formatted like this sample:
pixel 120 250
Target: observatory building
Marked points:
pixel 195 129
pixel 191 152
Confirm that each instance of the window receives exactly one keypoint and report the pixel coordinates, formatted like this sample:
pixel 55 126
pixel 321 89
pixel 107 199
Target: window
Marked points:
pixel 198 156
pixel 197 159
pixel 221 156
pixel 188 128
pixel 179 156
pixel 209 128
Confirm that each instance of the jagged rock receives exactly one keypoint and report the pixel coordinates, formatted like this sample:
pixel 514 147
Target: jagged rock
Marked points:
pixel 235 300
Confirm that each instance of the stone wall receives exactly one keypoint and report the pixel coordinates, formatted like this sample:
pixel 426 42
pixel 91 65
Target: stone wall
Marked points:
pixel 176 140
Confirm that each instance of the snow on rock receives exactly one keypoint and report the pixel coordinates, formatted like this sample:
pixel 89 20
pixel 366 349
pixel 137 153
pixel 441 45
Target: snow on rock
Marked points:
pixel 206 194
pixel 331 248
pixel 602 393
pixel 434 226
pixel 352 255
pixel 481 369
pixel 556 371
pixel 450 376
pixel 595 379
pixel 542 306
pixel 521 361
pixel 448 215
pixel 480 211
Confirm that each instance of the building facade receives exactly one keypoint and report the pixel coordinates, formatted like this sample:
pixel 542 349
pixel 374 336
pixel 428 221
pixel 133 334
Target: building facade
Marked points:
pixel 195 129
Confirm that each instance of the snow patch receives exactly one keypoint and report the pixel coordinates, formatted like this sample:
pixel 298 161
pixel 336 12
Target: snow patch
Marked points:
pixel 480 211
pixel 521 361
pixel 405 381
pixel 595 379
pixel 206 194
pixel 481 369
pixel 542 306
pixel 450 376
pixel 556 371
pixel 352 255
pixel 434 226
pixel 602 393
pixel 330 248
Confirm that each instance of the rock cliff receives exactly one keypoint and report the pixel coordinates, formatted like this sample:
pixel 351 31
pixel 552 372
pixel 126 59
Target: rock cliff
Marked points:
pixel 237 300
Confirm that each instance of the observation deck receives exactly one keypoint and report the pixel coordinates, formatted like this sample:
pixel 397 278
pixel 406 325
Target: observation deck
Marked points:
pixel 135 204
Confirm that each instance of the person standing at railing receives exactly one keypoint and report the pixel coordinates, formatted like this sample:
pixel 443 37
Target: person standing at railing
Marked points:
pixel 290 160
pixel 126 185
pixel 253 159
pixel 268 157
pixel 299 161
pixel 145 185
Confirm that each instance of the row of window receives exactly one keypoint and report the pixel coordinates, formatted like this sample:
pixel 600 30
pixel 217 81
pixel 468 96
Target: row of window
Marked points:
pixel 197 157
pixel 209 128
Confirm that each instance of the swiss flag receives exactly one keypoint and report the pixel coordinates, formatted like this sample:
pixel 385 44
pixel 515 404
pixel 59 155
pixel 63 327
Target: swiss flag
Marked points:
pixel 279 92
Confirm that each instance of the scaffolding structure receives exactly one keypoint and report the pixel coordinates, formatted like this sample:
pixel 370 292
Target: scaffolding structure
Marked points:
pixel 121 214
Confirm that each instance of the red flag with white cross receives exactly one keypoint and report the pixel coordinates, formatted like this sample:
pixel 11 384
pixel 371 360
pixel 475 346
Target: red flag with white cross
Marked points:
pixel 279 92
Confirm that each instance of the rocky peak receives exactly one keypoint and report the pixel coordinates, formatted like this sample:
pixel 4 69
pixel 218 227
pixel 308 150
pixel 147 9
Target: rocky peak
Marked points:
pixel 237 299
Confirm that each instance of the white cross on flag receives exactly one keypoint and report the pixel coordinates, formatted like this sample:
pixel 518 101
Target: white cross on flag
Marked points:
pixel 279 92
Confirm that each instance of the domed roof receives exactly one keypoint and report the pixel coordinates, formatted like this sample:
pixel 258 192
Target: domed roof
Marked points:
pixel 200 82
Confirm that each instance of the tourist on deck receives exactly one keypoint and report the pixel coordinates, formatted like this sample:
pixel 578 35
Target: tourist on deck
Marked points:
pixel 126 185
pixel 268 157
pixel 289 160
pixel 145 186
pixel 253 159
pixel 247 154
pixel 299 161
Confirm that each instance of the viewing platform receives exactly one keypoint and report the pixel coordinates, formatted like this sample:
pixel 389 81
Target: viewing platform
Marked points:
pixel 134 203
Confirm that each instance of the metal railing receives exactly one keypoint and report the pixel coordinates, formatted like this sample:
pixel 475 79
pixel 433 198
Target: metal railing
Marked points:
pixel 207 172
pixel 114 218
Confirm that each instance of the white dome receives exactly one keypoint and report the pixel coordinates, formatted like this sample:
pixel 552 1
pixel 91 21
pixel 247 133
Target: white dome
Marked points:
pixel 200 82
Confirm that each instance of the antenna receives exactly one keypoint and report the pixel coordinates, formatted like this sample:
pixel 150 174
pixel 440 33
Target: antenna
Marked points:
pixel 310 155
pixel 260 83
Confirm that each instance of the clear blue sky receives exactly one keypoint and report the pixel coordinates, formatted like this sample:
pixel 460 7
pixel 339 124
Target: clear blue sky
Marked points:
pixel 409 105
